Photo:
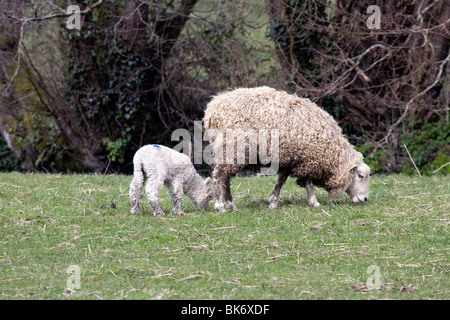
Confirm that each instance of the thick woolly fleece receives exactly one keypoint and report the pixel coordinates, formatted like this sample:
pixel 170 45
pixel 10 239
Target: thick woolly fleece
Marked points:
pixel 161 166
pixel 312 147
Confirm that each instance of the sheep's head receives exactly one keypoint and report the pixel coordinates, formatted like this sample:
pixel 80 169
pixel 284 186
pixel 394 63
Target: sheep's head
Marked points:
pixel 203 194
pixel 359 185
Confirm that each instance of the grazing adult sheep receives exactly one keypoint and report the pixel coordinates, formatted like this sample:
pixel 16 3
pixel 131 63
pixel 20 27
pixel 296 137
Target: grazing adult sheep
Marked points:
pixel 311 145
pixel 158 165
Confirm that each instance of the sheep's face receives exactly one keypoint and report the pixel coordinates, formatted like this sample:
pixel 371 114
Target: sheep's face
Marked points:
pixel 204 194
pixel 359 186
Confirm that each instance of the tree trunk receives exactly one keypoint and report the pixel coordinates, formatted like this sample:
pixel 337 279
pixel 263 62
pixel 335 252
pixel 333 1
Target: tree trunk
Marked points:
pixel 146 33
pixel 10 106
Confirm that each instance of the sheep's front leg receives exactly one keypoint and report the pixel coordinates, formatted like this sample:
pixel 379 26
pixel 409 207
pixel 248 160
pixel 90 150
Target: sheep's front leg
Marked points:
pixel 273 199
pixel 229 204
pixel 152 189
pixel 176 192
pixel 312 200
pixel 218 182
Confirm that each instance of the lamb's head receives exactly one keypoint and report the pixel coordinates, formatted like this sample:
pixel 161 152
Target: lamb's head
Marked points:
pixel 359 178
pixel 202 194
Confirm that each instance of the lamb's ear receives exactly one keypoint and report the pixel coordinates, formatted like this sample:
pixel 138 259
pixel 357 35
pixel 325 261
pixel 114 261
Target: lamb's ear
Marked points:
pixel 208 181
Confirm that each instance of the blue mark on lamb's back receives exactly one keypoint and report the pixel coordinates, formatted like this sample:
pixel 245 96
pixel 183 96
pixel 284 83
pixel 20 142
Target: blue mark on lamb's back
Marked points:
pixel 156 146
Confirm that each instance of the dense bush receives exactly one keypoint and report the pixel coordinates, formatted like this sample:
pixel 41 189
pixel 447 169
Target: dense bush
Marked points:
pixel 428 144
pixel 8 160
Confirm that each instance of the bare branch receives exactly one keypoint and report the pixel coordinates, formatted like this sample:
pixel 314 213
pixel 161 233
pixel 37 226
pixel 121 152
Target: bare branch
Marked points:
pixel 417 96
pixel 24 21
pixel 60 14
pixel 412 160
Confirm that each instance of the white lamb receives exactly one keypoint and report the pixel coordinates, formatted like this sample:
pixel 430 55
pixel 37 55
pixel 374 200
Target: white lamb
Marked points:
pixel 159 165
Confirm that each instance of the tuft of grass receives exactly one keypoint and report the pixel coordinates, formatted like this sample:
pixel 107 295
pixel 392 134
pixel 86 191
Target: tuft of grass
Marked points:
pixel 51 222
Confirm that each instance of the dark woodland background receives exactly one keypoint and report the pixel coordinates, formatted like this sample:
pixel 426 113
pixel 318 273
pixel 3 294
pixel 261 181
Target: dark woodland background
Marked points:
pixel 85 100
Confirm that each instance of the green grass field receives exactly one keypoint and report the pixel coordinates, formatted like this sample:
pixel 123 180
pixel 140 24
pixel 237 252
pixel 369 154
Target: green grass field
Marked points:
pixel 51 222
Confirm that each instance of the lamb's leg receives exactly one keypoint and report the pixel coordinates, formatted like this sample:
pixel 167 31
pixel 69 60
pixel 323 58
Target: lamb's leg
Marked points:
pixel 176 192
pixel 152 190
pixel 273 199
pixel 218 182
pixel 136 194
pixel 312 200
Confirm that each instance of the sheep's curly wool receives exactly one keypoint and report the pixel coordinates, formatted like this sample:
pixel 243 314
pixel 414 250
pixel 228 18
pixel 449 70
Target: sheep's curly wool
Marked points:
pixel 161 166
pixel 311 144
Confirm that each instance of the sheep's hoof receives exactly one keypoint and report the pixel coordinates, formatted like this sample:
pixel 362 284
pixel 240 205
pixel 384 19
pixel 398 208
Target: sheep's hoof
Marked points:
pixel 315 204
pixel 273 205
pixel 177 211
pixel 231 206
pixel 219 207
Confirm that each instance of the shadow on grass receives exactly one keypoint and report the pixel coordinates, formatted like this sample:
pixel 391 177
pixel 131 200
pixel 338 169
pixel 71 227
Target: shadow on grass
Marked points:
pixel 249 203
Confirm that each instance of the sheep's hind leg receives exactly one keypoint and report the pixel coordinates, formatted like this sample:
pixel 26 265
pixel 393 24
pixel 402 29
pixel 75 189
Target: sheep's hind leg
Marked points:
pixel 312 200
pixel 152 190
pixel 136 194
pixel 273 199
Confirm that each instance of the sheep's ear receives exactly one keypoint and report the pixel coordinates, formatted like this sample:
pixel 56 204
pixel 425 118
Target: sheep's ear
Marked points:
pixel 208 181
